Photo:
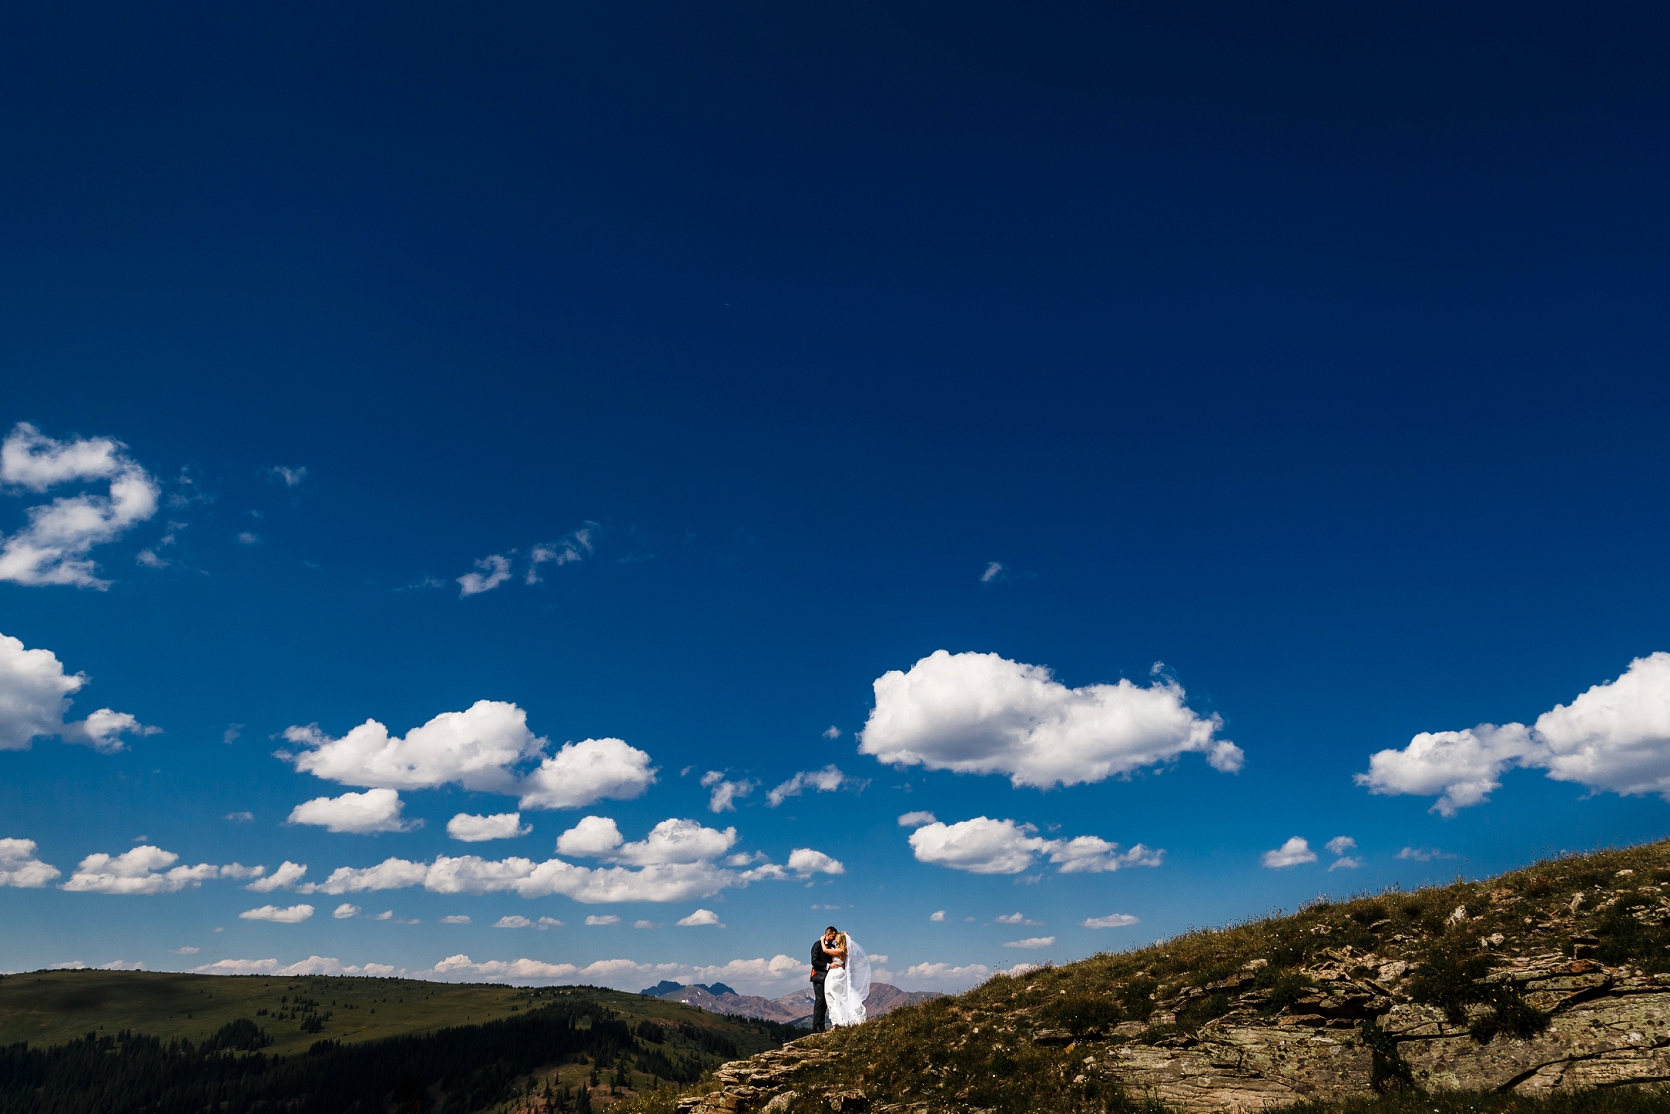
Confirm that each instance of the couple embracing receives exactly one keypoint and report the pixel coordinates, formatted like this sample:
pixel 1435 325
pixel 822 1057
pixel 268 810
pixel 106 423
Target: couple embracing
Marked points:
pixel 840 980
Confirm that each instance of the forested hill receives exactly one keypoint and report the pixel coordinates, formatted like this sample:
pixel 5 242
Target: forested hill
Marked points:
pixel 572 1045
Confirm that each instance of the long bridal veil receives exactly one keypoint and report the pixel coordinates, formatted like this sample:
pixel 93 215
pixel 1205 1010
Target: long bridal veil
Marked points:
pixel 858 978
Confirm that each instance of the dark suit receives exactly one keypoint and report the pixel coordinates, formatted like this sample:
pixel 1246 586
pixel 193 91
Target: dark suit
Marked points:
pixel 820 971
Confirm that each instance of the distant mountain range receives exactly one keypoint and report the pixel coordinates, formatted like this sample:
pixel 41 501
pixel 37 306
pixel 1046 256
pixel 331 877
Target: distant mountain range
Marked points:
pixel 791 1009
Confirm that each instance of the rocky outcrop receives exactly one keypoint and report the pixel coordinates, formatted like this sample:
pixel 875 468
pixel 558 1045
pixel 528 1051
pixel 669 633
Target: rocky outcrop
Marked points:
pixel 1606 1026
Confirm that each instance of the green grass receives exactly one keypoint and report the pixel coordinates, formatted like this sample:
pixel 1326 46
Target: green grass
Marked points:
pixel 54 1007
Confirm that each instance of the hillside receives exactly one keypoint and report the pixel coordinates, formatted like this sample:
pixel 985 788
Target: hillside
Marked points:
pixel 1547 988
pixel 790 1009
pixel 174 1044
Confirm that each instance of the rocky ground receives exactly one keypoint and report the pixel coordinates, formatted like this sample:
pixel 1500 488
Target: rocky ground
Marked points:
pixel 1542 983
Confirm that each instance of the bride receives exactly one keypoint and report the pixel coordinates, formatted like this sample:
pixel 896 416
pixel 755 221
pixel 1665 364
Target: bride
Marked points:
pixel 848 983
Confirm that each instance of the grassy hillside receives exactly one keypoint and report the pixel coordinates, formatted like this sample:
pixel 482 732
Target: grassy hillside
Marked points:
pixel 142 1043
pixel 1063 1038
pixel 54 1007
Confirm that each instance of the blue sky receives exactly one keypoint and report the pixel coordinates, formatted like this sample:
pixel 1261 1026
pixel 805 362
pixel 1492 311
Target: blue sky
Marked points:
pixel 1249 403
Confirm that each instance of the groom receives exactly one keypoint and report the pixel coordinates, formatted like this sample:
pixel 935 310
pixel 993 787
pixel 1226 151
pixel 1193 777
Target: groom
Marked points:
pixel 820 970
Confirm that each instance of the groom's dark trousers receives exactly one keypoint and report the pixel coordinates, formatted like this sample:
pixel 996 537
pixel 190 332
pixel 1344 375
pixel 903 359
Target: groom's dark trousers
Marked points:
pixel 820 971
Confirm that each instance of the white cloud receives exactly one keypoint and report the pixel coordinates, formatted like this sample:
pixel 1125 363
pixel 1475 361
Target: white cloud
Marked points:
pixel 1615 736
pixel 826 780
pixel 239 817
pixel 994 569
pixel 1094 855
pixel 35 697
pixel 941 976
pixel 1291 853
pixel 1423 854
pixel 806 862
pixel 53 547
pixel 587 771
pixel 184 951
pixel 312 965
pixel 1113 920
pixel 725 792
pixel 491 571
pixel 550 922
pixel 478 829
pixel 1032 942
pixel 456 918
pixel 143 870
pixel 479 748
pixel 832 732
pixel 599 921
pixel 475 748
pixel 650 924
pixel 513 921
pixel 916 819
pixel 1339 845
pixel 289 477
pixel 375 810
pixel 1345 862
pixel 285 877
pixel 673 863
pixel 984 714
pixel 384 915
pixel 293 914
pixel 573 547
pixel 1014 918
pixel 986 846
pixel 937 915
pixel 390 874
pixel 699 918
pixel 20 868
pixel 345 910
pixel 249 537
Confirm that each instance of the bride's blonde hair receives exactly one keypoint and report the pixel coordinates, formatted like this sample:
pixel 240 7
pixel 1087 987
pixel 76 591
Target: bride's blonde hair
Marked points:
pixel 841 940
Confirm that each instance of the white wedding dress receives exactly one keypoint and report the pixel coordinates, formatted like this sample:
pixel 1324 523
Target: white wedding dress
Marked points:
pixel 845 988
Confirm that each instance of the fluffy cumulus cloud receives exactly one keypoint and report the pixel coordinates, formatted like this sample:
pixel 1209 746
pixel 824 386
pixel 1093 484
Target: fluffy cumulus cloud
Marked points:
pixel 484 747
pixel 479 829
pixel 806 862
pixel 496 568
pixel 700 918
pixel 284 878
pixel 674 862
pixel 293 914
pixel 345 911
pixel 20 867
pixel 146 870
pixel 1615 736
pixel 916 819
pixel 312 965
pixel 53 547
pixel 827 780
pixel 986 846
pixel 35 697
pixel 375 810
pixel 984 714
pixel 1112 920
pixel 1032 942
pixel 490 572
pixel 1292 853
